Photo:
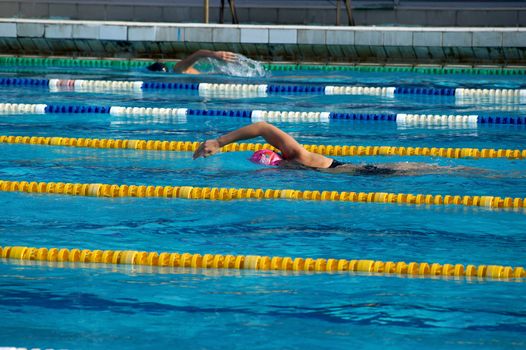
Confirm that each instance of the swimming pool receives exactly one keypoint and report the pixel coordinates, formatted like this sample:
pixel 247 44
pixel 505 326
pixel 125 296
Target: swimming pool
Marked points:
pixel 61 305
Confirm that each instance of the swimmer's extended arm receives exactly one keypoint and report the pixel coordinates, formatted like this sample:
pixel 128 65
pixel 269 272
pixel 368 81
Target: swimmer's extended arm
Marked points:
pixel 185 65
pixel 289 147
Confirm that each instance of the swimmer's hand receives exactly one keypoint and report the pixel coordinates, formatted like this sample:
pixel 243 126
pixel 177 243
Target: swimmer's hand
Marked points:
pixel 225 56
pixel 207 148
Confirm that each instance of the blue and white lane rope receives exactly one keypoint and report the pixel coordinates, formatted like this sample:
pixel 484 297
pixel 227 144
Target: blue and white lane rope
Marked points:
pixel 261 89
pixel 260 115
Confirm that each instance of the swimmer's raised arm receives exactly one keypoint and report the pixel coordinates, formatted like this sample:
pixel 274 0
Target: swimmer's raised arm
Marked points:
pixel 289 147
pixel 274 136
pixel 185 65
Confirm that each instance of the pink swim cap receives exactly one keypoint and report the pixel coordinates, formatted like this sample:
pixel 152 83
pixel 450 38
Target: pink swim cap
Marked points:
pixel 266 157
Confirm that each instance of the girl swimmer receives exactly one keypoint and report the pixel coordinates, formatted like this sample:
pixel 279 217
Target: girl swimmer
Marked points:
pixel 292 154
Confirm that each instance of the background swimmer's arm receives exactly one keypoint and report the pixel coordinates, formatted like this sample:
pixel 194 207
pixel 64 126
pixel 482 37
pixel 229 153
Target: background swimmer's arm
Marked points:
pixel 185 65
pixel 289 147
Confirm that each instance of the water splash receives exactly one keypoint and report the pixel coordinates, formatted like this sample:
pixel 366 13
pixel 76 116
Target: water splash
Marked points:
pixel 242 67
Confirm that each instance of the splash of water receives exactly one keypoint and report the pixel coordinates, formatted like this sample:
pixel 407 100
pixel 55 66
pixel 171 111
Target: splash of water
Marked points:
pixel 241 67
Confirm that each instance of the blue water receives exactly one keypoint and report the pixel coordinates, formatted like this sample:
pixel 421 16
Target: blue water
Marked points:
pixel 90 307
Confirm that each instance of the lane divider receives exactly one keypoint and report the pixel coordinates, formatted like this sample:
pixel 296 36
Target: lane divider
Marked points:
pixel 262 89
pixel 74 62
pixel 260 115
pixel 216 193
pixel 396 69
pixel 329 150
pixel 257 262
pixel 130 64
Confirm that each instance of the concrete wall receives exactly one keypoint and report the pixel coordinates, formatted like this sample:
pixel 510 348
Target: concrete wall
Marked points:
pixel 292 43
pixel 511 13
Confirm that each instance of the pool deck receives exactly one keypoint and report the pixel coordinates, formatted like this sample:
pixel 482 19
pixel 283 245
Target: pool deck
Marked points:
pixel 400 45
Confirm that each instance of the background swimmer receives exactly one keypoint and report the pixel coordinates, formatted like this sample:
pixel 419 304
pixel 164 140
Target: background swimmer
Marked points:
pixel 293 155
pixel 185 66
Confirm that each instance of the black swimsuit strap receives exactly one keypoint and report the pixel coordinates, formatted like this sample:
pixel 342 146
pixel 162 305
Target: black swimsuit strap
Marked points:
pixel 335 163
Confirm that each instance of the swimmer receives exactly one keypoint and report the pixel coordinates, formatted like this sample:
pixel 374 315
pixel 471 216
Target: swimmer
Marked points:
pixel 185 66
pixel 293 155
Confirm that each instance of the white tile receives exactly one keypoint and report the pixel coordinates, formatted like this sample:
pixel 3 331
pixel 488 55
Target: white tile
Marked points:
pixel 457 39
pixel 340 37
pixel 514 39
pixel 487 39
pixel 283 36
pixel 199 35
pixel 427 38
pixel 311 36
pixel 371 38
pixel 226 35
pixel 59 31
pixel 398 38
pixel 141 33
pixel 113 32
pixel 85 31
pixel 170 34
pixel 257 36
pixel 34 30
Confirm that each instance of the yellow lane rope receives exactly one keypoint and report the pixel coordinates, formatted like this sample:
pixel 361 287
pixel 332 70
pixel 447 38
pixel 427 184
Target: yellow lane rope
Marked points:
pixel 216 193
pixel 256 262
pixel 329 150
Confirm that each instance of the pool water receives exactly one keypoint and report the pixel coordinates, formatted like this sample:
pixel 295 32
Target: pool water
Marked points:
pixel 80 306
